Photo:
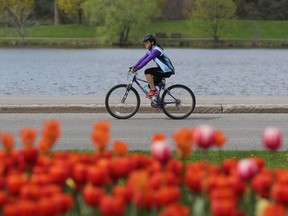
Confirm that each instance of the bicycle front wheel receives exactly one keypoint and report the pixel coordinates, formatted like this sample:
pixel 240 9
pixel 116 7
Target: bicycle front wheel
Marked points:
pixel 178 101
pixel 122 101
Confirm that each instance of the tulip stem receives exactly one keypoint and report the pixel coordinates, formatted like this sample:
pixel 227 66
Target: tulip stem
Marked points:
pixel 252 202
pixel 184 194
pixel 77 205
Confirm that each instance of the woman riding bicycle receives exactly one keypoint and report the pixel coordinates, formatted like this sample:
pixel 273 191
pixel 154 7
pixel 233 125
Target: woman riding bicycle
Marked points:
pixel 177 101
pixel 164 67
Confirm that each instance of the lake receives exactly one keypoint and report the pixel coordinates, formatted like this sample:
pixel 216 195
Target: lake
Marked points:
pixel 56 72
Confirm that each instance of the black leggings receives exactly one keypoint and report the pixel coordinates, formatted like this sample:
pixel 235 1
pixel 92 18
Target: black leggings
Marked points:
pixel 157 74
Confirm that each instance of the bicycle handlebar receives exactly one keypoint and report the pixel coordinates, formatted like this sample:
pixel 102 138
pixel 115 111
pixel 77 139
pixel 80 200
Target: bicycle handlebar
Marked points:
pixel 132 70
pixel 131 74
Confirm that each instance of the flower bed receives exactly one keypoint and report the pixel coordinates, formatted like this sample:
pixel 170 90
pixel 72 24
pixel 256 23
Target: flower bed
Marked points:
pixel 36 181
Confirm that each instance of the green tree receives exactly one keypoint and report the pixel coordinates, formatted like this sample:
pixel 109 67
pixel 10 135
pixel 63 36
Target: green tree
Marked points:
pixel 114 19
pixel 18 11
pixel 72 8
pixel 212 15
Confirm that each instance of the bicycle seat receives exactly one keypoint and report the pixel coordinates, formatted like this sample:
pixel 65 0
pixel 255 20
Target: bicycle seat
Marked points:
pixel 162 83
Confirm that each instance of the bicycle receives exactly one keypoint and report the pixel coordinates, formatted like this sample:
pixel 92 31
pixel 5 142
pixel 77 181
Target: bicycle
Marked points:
pixel 123 101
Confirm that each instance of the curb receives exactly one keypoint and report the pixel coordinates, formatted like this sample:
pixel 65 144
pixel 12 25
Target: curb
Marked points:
pixel 209 109
pixel 260 108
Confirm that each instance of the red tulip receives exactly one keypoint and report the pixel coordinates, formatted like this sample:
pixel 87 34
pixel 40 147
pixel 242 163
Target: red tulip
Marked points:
pixel 58 173
pixel 79 173
pixel 279 192
pixel 30 191
pixel 166 195
pixel 274 209
pixel 120 167
pixel 224 207
pixel 247 168
pixel 195 180
pixel 8 142
pixel 93 195
pixel 51 131
pixel 15 182
pixel 50 190
pixel 272 138
pixel 175 209
pixel 10 209
pixel 46 206
pixel 204 136
pixel 63 202
pixel 124 192
pixel 3 198
pixel 229 165
pixel 262 184
pixel 184 139
pixel 219 138
pixel 30 154
pixel 159 179
pixel 98 175
pixel 120 148
pixel 26 208
pixel 28 136
pixel 161 151
pixel 112 205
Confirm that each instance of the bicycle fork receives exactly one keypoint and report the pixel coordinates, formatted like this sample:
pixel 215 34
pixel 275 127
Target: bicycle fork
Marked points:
pixel 126 93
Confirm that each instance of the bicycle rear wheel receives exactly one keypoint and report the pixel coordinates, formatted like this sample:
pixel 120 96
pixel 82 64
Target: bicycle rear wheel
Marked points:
pixel 122 101
pixel 178 101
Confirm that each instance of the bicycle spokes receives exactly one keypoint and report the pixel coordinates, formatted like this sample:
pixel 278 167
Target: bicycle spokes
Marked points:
pixel 122 103
pixel 178 101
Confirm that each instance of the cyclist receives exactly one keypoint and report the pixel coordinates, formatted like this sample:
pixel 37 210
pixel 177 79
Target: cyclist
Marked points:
pixel 164 68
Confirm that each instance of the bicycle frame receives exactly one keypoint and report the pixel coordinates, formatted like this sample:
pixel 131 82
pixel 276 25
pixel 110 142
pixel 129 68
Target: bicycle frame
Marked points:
pixel 156 102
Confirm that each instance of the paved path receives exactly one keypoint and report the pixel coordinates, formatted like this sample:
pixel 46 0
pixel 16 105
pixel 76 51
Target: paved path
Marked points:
pixel 86 104
pixel 242 130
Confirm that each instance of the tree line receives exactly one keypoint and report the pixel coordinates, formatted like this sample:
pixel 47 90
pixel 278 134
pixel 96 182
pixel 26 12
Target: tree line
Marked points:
pixel 70 11
pixel 245 9
pixel 182 9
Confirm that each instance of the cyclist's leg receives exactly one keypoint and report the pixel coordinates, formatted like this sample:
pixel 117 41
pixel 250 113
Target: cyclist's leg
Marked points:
pixel 156 74
pixel 164 75
pixel 149 74
pixel 159 76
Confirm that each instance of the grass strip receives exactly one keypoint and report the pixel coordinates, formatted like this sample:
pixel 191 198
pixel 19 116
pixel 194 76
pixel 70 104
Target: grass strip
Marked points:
pixel 236 29
pixel 277 159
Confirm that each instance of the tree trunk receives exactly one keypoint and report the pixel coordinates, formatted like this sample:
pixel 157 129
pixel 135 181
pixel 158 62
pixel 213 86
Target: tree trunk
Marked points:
pixel 80 16
pixel 124 37
pixel 20 24
pixel 22 34
pixel 56 13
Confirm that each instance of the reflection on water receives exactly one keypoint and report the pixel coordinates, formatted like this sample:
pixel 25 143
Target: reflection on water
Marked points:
pixel 95 71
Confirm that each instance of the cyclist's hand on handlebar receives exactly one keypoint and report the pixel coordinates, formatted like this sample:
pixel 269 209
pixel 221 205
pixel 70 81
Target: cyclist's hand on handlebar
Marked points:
pixel 132 69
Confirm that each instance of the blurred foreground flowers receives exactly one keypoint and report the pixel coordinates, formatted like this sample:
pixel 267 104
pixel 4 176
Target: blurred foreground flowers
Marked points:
pixel 35 180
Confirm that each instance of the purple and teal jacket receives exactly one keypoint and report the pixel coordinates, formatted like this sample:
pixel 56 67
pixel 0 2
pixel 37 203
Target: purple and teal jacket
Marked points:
pixel 159 57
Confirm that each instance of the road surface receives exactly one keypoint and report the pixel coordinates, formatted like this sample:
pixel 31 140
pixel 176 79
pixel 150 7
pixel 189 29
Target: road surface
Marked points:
pixel 243 130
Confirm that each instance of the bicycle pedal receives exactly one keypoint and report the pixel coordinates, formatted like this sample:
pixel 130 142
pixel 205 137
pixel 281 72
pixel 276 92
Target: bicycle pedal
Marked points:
pixel 157 110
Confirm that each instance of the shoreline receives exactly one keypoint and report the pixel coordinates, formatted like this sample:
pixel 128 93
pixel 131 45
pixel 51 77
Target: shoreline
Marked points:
pixel 167 42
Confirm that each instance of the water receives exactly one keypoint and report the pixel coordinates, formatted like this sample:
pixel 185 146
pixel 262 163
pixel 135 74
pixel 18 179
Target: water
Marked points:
pixel 59 72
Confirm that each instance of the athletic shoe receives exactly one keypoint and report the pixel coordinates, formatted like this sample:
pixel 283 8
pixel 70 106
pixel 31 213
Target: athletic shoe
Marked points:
pixel 151 93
